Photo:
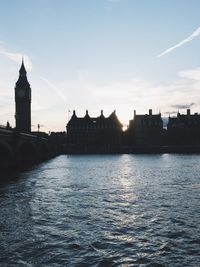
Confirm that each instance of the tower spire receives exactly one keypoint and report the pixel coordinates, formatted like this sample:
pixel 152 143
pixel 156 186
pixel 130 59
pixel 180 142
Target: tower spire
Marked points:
pixel 22 70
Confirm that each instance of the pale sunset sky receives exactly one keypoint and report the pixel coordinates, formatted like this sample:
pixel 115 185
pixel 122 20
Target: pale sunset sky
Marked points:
pixel 100 54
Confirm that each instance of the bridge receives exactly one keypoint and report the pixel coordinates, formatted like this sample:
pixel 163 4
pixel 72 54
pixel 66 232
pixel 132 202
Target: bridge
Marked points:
pixel 22 149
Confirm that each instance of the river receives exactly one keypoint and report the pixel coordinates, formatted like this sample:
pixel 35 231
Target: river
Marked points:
pixel 102 210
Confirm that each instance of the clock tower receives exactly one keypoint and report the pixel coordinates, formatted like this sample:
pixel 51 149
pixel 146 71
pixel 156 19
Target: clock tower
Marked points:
pixel 23 102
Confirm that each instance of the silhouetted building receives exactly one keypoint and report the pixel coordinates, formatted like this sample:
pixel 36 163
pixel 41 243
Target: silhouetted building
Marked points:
pixel 184 129
pixel 94 131
pixel 58 137
pixel 23 102
pixel 145 130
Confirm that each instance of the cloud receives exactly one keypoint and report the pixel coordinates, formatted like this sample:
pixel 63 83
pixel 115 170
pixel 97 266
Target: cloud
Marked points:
pixel 195 34
pixel 17 57
pixel 6 101
pixel 51 98
pixel 87 91
pixel 6 109
pixel 127 95
pixel 183 106
pixel 193 74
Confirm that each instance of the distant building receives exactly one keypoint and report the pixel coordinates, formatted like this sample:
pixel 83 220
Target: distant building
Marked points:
pixel 23 102
pixel 145 130
pixel 184 129
pixel 94 131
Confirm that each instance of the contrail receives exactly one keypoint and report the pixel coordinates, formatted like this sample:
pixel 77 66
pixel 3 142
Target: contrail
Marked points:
pixel 58 91
pixel 195 34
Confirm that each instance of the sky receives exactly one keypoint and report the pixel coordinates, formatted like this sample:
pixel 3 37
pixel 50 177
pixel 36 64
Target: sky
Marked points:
pixel 95 55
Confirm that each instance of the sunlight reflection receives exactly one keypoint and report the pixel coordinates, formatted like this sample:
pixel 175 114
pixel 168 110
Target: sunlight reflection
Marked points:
pixel 126 178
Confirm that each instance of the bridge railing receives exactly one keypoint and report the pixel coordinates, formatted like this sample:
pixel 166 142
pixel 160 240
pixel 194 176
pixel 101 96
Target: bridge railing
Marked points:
pixel 32 136
pixel 4 127
pixel 6 130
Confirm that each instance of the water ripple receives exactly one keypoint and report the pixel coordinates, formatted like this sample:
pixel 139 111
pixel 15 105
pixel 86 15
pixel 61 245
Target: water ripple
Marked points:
pixel 123 210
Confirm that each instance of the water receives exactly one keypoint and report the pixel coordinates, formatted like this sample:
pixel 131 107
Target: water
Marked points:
pixel 117 210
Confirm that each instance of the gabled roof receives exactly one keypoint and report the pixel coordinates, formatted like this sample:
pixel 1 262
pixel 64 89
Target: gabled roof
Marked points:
pixel 100 120
pixel 147 120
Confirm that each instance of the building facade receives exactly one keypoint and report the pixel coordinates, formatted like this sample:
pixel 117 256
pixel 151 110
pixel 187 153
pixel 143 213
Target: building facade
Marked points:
pixel 145 130
pixel 184 129
pixel 94 131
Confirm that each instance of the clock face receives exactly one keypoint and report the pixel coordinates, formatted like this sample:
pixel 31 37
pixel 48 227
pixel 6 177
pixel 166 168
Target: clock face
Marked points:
pixel 20 93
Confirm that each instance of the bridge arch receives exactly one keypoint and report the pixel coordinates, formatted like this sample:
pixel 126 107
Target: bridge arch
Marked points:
pixel 28 153
pixel 6 155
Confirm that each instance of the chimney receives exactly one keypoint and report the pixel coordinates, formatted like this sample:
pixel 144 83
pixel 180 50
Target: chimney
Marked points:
pixel 74 112
pixel 134 113
pixel 86 112
pixel 150 112
pixel 188 112
pixel 101 112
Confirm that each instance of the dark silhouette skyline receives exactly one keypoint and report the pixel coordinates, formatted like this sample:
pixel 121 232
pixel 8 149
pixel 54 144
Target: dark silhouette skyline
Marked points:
pixel 145 133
